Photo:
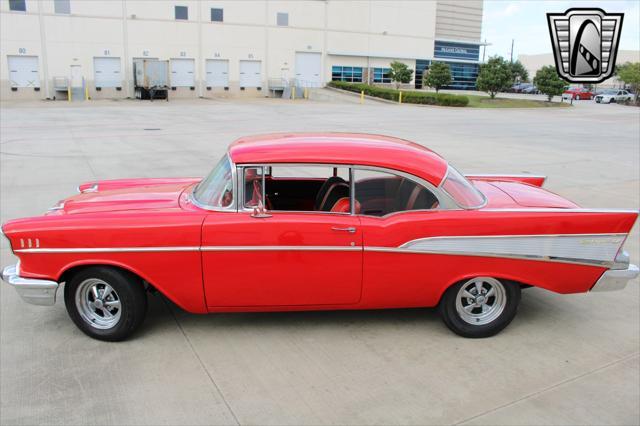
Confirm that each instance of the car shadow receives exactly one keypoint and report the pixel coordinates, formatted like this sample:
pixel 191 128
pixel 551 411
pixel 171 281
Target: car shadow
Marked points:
pixel 159 305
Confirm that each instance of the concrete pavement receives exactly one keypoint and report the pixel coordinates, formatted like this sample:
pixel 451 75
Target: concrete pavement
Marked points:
pixel 566 359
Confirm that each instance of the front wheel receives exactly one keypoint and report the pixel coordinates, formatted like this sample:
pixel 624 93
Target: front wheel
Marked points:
pixel 105 303
pixel 480 307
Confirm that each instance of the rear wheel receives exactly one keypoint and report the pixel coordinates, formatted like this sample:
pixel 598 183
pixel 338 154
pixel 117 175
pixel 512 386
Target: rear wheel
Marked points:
pixel 105 303
pixel 480 307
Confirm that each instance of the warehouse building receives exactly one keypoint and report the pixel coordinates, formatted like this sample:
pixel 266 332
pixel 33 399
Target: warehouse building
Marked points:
pixel 534 62
pixel 229 48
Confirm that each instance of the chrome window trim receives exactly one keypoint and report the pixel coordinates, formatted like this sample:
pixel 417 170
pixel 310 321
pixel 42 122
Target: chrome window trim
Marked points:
pixel 445 201
pixel 233 207
pixel 441 188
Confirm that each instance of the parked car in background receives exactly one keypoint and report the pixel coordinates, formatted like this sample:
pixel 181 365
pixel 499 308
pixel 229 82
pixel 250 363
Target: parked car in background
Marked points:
pixel 613 95
pixel 577 93
pixel 316 221
pixel 517 88
pixel 530 89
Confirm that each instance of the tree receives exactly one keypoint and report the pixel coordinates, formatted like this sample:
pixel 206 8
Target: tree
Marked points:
pixel 400 73
pixel 437 76
pixel 494 76
pixel 549 82
pixel 630 74
pixel 518 72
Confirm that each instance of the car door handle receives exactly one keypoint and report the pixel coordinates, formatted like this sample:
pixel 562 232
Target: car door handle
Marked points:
pixel 349 229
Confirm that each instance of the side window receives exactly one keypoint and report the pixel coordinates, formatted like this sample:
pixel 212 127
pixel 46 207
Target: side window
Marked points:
pixel 299 188
pixel 379 193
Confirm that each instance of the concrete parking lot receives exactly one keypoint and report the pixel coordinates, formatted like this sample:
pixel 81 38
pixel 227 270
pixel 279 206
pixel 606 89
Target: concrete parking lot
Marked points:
pixel 566 359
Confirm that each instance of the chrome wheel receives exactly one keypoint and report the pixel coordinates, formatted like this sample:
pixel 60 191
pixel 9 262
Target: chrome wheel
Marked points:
pixel 98 303
pixel 481 300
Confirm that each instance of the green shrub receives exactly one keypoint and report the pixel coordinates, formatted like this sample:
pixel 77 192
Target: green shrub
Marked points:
pixel 409 96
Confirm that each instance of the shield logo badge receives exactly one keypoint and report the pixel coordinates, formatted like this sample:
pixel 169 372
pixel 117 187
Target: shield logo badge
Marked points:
pixel 585 43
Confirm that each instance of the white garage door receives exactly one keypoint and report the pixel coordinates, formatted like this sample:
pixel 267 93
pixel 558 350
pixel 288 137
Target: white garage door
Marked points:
pixel 182 73
pixel 250 74
pixel 23 71
pixel 217 73
pixel 107 72
pixel 308 69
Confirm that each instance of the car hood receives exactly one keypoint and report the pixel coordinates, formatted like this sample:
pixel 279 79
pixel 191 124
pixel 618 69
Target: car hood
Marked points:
pixel 502 194
pixel 142 197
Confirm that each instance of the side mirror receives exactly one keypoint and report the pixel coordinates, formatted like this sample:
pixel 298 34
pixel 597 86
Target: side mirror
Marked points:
pixel 260 212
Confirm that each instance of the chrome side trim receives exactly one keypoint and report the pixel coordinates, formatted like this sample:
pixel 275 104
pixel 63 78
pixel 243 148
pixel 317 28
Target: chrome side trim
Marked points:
pixel 602 264
pixel 107 249
pixel 584 248
pixel 282 248
pixel 616 279
pixel 186 249
pixel 34 291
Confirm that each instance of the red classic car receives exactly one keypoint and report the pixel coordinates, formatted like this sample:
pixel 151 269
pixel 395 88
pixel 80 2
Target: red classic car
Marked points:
pixel 316 221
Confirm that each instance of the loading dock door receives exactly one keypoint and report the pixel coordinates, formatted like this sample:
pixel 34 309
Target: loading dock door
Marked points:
pixel 23 71
pixel 183 72
pixel 217 73
pixel 308 69
pixel 107 72
pixel 250 74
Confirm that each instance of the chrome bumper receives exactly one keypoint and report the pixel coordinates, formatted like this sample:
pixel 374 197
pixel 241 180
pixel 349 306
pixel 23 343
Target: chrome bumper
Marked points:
pixel 36 292
pixel 616 279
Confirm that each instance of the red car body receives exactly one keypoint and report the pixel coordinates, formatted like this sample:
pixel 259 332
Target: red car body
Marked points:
pixel 579 93
pixel 208 260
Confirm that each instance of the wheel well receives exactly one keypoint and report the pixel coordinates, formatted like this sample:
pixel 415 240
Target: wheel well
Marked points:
pixel 69 273
pixel 499 278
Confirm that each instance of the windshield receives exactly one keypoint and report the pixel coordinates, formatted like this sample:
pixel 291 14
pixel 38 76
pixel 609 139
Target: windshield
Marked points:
pixel 610 92
pixel 461 190
pixel 216 190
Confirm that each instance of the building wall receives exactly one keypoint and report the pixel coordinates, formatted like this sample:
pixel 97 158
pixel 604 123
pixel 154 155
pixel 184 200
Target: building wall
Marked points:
pixel 534 62
pixel 459 21
pixel 363 33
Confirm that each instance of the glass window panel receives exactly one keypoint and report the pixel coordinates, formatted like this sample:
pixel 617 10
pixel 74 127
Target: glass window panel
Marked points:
pixel 182 12
pixel 380 193
pixel 217 15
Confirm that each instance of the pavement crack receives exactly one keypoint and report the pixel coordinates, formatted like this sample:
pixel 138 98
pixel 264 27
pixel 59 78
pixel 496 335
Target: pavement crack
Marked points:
pixel 541 391
pixel 195 353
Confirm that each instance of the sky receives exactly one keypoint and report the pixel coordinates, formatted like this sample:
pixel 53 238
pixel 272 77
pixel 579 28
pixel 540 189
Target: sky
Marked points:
pixel 525 22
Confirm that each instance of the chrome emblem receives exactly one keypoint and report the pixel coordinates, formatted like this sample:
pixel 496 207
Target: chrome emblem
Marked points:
pixel 585 43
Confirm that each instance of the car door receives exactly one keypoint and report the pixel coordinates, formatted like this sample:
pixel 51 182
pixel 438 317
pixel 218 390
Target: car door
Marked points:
pixel 280 258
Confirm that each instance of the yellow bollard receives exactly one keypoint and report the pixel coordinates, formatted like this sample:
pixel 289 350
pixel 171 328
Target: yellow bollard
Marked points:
pixel 362 96
pixel 306 93
pixel 69 94
pixel 86 93
pixel 400 98
pixel 293 92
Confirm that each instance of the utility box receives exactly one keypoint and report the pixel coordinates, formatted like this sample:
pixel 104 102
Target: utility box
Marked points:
pixel 151 79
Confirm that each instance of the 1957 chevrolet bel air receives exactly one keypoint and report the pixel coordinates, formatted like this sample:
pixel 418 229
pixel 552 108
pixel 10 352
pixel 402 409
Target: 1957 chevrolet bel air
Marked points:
pixel 316 221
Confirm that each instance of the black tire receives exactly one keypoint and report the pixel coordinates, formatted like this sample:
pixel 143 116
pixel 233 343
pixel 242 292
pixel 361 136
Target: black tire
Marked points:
pixel 510 294
pixel 127 295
